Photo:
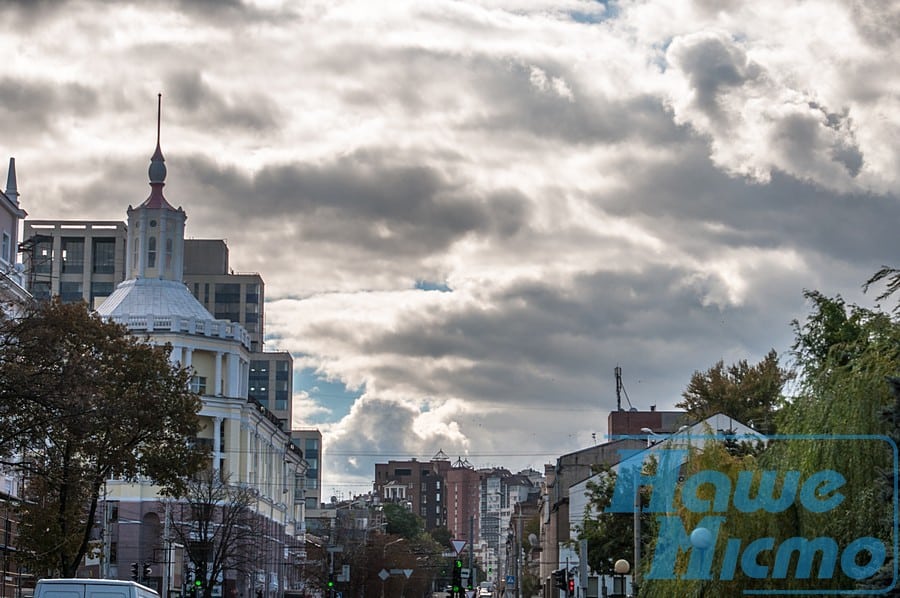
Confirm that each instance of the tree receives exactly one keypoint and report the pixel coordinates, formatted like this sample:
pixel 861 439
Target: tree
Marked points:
pixel 750 394
pixel 213 520
pixel 401 521
pixel 82 401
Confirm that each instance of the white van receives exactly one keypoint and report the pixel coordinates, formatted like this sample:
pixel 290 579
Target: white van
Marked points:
pixel 91 588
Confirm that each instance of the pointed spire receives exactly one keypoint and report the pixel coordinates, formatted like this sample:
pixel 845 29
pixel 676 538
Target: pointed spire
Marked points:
pixel 11 191
pixel 157 169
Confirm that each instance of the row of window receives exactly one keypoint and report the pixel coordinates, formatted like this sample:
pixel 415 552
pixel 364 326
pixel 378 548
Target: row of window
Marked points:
pixel 103 255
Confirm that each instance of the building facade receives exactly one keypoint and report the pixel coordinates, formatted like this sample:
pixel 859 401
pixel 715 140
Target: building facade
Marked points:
pixel 419 485
pixel 77 260
pixel 247 444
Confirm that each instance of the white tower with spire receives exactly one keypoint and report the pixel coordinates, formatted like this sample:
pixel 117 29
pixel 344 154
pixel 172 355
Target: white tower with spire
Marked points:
pixel 155 228
pixel 247 445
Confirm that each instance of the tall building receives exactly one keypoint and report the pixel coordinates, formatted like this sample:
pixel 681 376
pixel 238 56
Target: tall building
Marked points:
pixel 247 445
pixel 310 442
pixel 74 259
pixel 418 485
pixel 462 490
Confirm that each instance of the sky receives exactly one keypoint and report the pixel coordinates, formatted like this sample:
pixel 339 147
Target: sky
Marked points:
pixel 467 213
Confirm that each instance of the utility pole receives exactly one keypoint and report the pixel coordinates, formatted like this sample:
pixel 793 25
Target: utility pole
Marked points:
pixel 472 579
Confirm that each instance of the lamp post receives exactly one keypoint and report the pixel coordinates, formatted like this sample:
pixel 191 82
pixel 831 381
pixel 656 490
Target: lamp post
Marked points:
pixel 621 568
pixel 384 557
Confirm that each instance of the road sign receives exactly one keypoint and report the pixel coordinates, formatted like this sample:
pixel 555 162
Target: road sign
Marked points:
pixel 510 580
pixel 383 574
pixel 464 573
pixel 407 572
pixel 458 545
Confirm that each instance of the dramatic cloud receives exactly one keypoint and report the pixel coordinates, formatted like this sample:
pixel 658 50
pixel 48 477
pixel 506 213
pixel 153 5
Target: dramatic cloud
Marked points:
pixel 468 213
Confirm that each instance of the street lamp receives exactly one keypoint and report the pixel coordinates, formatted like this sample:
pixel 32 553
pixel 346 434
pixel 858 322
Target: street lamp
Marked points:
pixel 622 567
pixel 384 557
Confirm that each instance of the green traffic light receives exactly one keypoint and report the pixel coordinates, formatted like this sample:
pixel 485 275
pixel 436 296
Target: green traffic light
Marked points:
pixel 198 583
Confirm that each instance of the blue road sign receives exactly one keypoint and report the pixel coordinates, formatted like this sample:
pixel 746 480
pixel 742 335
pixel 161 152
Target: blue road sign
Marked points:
pixel 510 580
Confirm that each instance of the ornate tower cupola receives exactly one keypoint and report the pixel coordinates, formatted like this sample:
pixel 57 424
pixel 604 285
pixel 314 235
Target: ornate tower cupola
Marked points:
pixel 155 228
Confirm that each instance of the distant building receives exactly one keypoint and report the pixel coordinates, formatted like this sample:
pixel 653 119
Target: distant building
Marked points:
pixel 635 423
pixel 310 442
pixel 418 485
pixel 462 497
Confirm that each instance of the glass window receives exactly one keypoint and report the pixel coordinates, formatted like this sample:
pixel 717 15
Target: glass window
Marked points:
pixel 42 258
pixel 151 252
pixel 103 256
pixel 70 291
pixel 72 254
pixel 228 293
pixel 168 253
pixel 41 290
pixel 251 293
pixel 198 385
pixel 280 404
pixel 7 245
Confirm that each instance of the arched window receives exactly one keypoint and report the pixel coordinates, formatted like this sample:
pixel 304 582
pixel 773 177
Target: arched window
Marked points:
pixel 151 252
pixel 169 246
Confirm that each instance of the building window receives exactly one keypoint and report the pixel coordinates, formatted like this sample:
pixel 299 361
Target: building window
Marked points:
pixel 72 255
pixel 251 293
pixel 151 252
pixel 103 256
pixel 168 254
pixel 70 291
pixel 7 244
pixel 42 258
pixel 198 385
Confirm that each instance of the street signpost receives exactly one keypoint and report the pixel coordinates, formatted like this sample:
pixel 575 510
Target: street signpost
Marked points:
pixel 458 545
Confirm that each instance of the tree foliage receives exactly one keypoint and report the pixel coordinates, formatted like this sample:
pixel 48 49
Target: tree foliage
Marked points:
pixel 214 521
pixel 401 521
pixel 750 394
pixel 82 401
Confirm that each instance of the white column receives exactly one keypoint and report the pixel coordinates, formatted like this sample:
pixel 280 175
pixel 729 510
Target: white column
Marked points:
pixel 218 383
pixel 188 356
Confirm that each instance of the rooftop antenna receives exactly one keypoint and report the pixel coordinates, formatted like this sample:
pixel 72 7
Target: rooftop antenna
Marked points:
pixel 620 389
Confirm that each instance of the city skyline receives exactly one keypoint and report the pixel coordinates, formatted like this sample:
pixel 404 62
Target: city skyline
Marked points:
pixel 468 213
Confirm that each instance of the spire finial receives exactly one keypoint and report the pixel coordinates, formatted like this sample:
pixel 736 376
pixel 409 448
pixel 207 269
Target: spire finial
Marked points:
pixel 158 115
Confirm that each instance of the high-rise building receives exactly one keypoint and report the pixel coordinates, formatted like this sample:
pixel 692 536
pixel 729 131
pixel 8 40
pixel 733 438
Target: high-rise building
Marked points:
pixel 463 490
pixel 74 259
pixel 418 485
pixel 310 442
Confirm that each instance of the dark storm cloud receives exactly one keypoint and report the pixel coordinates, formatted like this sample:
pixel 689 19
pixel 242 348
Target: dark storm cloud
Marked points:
pixel 679 201
pixel 543 339
pixel 32 107
pixel 363 200
pixel 206 106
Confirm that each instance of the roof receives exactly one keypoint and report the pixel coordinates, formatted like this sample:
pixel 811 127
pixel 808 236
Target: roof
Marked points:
pixel 153 297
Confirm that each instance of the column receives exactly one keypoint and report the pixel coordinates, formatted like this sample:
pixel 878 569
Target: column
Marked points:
pixel 218 382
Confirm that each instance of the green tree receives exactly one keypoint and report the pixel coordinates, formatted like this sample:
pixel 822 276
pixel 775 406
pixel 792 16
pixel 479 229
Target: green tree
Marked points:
pixel 401 521
pixel 82 401
pixel 442 536
pixel 749 393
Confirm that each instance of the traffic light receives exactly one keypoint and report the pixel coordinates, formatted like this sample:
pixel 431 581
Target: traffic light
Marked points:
pixel 135 573
pixel 330 583
pixel 571 586
pixel 457 578
pixel 559 579
pixel 147 571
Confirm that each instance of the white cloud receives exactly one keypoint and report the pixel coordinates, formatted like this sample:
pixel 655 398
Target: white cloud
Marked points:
pixel 651 186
